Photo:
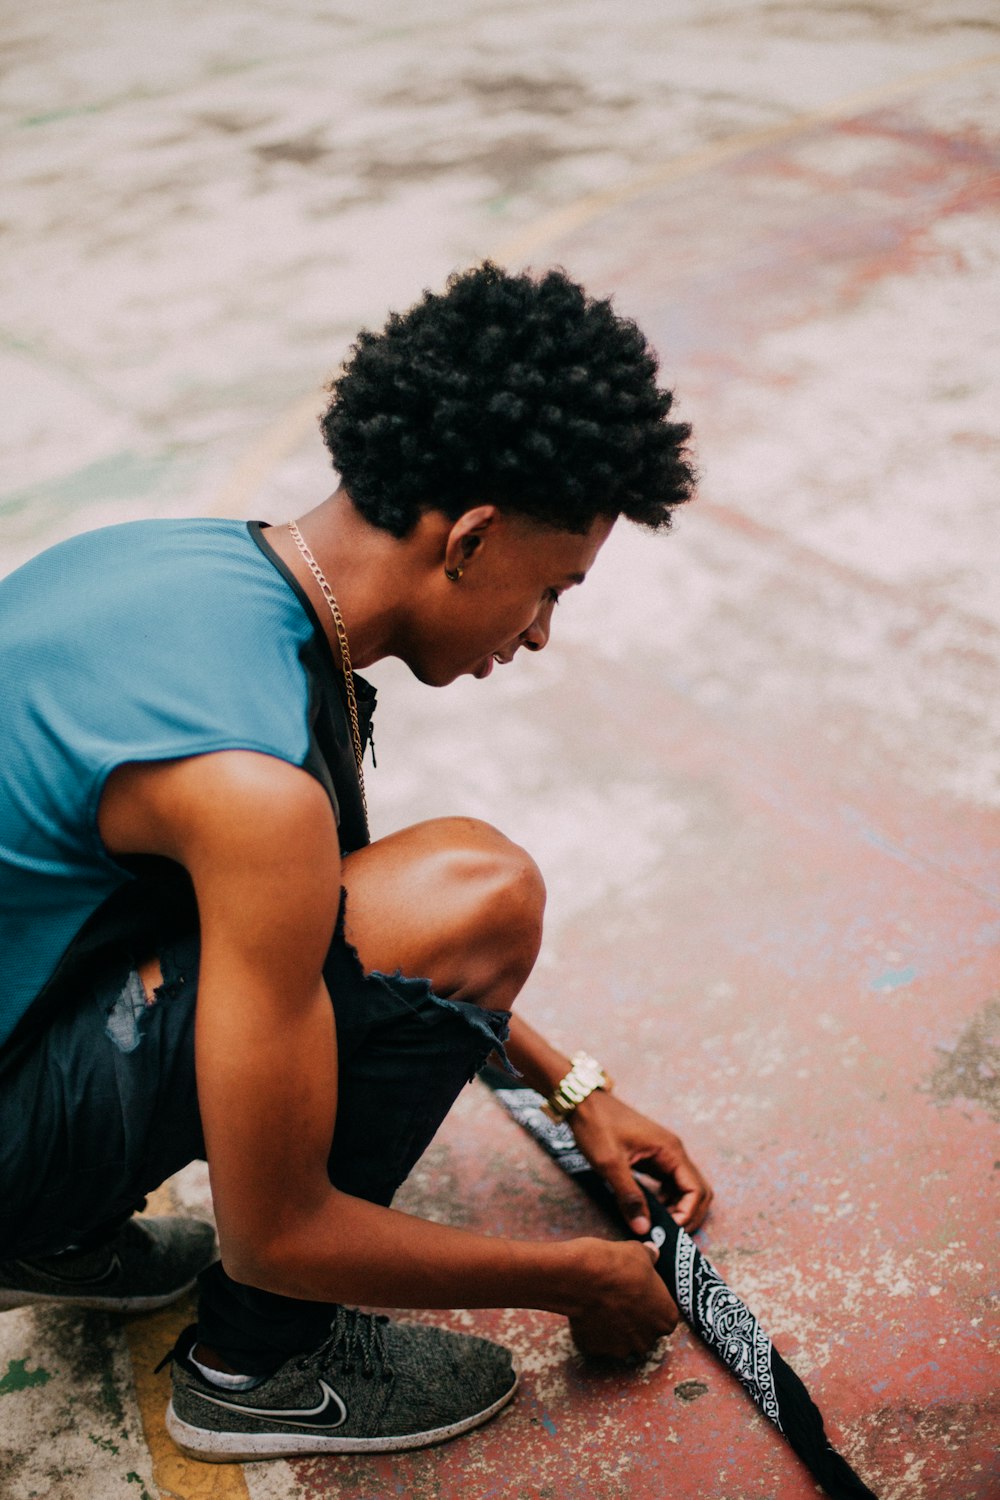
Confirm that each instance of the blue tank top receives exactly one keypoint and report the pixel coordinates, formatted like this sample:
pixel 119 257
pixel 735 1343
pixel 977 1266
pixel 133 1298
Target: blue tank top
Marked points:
pixel 142 642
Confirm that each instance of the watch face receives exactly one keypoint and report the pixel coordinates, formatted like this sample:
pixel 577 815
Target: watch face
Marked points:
pixel 588 1070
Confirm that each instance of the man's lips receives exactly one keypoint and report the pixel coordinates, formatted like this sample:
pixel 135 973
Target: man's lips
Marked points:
pixel 486 666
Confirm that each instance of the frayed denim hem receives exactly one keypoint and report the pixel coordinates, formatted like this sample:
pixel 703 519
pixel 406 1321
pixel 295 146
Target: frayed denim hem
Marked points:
pixel 493 1026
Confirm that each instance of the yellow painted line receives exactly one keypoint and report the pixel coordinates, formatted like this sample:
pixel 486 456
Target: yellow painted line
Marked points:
pixel 554 225
pixel 278 440
pixel 149 1337
pixel 289 430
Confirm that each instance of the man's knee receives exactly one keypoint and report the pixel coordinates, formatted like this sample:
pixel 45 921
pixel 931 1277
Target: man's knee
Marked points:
pixel 452 900
pixel 500 902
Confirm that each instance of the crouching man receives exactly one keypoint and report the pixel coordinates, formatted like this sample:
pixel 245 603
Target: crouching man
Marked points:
pixel 202 954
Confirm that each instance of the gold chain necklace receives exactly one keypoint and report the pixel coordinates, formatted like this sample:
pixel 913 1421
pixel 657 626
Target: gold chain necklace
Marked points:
pixel 345 654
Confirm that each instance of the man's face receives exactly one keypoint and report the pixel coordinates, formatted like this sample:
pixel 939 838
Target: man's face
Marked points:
pixel 512 577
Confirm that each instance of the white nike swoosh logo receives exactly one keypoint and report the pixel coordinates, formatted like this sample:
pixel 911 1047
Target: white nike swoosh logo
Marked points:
pixel 302 1417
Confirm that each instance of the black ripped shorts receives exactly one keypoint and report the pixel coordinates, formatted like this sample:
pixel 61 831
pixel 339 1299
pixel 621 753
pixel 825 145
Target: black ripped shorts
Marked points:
pixel 102 1106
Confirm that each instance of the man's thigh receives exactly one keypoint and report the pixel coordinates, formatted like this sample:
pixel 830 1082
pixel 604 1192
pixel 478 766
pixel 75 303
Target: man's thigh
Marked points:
pixel 100 1106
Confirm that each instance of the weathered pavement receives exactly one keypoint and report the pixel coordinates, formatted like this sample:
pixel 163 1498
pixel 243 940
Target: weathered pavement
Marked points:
pixel 758 762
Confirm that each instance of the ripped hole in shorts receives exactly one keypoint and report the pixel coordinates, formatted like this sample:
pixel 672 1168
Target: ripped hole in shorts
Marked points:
pixel 123 1024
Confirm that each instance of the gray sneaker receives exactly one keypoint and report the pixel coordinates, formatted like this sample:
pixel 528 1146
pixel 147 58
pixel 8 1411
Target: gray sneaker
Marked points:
pixel 146 1264
pixel 373 1386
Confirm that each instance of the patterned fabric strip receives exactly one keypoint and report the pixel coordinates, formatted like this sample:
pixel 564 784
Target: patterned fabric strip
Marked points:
pixel 725 1323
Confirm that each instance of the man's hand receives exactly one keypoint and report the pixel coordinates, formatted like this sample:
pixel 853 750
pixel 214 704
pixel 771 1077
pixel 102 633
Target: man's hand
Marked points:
pixel 628 1308
pixel 617 1140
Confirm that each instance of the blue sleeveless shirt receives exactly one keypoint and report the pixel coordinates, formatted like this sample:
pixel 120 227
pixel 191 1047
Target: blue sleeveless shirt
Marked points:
pixel 147 641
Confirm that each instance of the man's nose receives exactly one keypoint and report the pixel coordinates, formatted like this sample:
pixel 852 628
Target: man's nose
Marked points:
pixel 537 634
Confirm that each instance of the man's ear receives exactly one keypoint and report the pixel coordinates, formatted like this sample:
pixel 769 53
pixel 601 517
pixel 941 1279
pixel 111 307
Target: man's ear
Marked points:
pixel 467 535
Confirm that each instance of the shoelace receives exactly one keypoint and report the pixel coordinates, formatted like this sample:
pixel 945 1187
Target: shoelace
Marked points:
pixel 355 1336
pixel 360 1338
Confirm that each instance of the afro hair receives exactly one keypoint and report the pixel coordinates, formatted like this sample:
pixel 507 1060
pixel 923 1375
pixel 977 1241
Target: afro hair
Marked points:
pixel 507 390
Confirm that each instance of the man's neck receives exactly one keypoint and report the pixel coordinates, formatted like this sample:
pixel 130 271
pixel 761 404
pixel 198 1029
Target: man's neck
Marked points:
pixel 361 565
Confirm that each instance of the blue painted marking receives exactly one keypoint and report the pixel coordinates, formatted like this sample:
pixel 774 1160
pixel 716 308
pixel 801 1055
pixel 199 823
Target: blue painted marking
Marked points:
pixel 548 1424
pixel 894 979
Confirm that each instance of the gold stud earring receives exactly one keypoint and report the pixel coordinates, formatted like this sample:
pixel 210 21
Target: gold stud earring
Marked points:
pixel 453 574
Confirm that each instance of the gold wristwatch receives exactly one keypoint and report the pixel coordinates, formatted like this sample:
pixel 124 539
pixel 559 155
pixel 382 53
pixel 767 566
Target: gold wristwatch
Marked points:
pixel 583 1078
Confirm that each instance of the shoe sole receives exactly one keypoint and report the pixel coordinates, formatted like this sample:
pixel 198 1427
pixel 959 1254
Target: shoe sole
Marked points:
pixel 11 1299
pixel 236 1447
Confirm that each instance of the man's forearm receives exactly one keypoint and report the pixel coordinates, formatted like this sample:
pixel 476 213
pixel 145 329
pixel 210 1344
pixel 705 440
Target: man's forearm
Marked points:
pixel 542 1064
pixel 349 1250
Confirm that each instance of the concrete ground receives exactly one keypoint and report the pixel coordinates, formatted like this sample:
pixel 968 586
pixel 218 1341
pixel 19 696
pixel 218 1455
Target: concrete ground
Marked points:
pixel 758 763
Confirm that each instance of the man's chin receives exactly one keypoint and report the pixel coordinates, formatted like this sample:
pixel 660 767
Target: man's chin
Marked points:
pixel 434 676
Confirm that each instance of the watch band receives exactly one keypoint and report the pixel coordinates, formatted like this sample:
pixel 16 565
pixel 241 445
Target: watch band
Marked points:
pixel 583 1078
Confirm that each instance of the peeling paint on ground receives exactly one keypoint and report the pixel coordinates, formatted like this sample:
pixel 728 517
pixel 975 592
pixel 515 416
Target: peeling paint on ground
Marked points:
pixel 970 1066
pixel 19 1378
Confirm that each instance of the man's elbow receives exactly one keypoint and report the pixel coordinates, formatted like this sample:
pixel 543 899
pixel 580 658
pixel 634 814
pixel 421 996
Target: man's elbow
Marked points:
pixel 253 1265
pixel 283 1259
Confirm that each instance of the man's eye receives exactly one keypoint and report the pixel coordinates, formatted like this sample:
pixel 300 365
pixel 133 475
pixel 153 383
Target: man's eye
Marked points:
pixel 553 596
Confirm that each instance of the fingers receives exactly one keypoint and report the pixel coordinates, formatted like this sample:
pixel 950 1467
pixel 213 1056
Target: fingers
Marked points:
pixel 627 1333
pixel 686 1192
pixel 622 1183
pixel 693 1195
pixel 689 1201
pixel 616 1140
pixel 596 1344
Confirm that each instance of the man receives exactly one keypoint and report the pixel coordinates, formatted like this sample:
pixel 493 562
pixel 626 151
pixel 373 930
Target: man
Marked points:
pixel 203 955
